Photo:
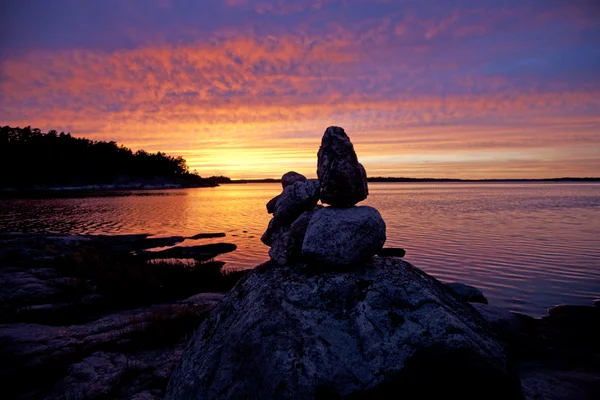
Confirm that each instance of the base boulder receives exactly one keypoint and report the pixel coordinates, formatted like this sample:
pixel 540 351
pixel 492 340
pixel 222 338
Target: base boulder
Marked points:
pixel 381 330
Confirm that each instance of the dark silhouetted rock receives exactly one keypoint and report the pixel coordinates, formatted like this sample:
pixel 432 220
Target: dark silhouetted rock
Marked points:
pixel 392 252
pixel 342 178
pixel 35 350
pixel 295 199
pixel 272 204
pixel 207 235
pixel 382 330
pixel 467 293
pixel 286 241
pixel 200 253
pixel 506 324
pixel 281 245
pixel 344 236
pixel 267 237
pixel 299 227
pixel 289 178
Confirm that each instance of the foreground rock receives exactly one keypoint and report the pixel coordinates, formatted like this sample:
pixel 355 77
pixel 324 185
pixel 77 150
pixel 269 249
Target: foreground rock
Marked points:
pixel 91 360
pixel 468 293
pixel 342 178
pixel 344 236
pixel 382 330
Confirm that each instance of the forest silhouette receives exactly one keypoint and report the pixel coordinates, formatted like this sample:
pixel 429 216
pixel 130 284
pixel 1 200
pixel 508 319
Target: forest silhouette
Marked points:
pixel 32 158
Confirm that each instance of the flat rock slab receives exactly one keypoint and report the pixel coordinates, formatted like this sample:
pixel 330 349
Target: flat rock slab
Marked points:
pixel 207 235
pixel 392 252
pixel 200 253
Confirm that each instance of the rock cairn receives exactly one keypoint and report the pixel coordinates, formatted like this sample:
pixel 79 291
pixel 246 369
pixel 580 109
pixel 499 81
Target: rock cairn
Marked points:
pixel 342 234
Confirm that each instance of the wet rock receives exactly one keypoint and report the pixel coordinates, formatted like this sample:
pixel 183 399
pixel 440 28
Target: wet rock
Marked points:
pixel 342 178
pixel 372 332
pixel 392 252
pixel 344 236
pixel 295 199
pixel 466 292
pixel 272 204
pixel 289 178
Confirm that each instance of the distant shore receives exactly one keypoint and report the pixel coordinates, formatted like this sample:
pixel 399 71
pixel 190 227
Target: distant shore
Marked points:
pixel 419 180
pixel 106 190
pixel 145 189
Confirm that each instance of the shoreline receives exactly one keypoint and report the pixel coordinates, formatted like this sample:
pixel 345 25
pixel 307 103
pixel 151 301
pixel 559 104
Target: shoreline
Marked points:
pixel 97 190
pixel 114 190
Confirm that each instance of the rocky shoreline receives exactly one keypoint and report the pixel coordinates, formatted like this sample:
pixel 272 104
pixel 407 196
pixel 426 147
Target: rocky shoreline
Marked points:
pixel 87 350
pixel 87 316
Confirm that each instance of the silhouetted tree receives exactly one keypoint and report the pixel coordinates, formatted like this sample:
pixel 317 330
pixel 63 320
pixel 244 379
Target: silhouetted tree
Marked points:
pixel 29 157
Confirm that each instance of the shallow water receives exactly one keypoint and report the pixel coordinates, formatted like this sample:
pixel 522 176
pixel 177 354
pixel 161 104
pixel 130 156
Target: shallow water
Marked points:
pixel 528 246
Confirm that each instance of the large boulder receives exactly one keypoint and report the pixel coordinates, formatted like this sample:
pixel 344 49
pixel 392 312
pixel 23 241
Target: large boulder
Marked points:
pixel 344 236
pixel 289 178
pixel 342 178
pixel 298 197
pixel 382 330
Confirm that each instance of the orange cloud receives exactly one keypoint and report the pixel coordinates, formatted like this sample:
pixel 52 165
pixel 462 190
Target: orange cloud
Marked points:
pixel 256 106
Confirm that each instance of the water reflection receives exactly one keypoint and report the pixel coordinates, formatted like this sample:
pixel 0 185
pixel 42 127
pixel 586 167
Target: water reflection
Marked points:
pixel 527 246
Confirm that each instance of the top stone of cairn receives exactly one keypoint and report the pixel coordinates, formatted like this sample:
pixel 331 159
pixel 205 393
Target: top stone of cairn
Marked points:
pixel 342 178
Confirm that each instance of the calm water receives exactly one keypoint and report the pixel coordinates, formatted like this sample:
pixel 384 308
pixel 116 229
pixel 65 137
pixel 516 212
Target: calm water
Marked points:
pixel 528 246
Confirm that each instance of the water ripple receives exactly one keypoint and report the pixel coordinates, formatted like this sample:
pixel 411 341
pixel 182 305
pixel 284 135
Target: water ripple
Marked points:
pixel 527 246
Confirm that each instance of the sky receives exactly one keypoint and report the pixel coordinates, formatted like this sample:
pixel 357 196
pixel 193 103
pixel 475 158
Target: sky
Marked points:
pixel 242 88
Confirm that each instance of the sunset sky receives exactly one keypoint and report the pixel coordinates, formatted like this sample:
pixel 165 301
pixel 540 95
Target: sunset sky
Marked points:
pixel 463 88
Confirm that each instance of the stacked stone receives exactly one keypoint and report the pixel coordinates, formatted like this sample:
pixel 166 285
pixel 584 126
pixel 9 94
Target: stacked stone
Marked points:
pixel 291 210
pixel 341 234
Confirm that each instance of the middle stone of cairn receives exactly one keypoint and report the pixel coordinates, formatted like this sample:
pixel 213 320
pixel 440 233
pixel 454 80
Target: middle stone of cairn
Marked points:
pixel 340 235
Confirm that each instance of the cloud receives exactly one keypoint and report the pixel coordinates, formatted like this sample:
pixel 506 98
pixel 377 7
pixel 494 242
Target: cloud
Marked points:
pixel 434 83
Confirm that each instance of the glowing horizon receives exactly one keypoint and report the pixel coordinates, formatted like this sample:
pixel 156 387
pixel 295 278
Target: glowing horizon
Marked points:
pixel 246 88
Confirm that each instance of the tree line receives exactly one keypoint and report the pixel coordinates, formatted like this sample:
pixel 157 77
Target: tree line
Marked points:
pixel 30 157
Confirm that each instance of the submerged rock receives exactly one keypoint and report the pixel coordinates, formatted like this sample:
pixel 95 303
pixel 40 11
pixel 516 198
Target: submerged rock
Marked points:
pixel 466 292
pixel 344 236
pixel 342 178
pixel 392 252
pixel 289 178
pixel 382 330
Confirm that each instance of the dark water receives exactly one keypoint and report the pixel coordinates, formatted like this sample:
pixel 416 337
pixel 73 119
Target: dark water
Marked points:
pixel 528 246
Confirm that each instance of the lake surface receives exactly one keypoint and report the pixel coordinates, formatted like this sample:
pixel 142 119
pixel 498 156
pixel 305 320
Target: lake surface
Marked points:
pixel 527 246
